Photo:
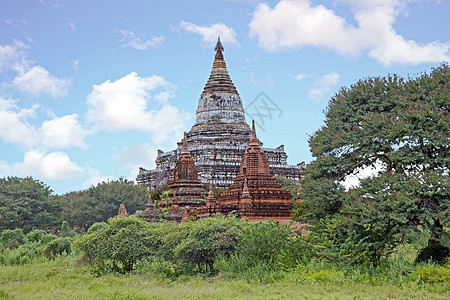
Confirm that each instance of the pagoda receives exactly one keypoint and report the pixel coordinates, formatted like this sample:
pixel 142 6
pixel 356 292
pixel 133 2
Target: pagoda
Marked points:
pixel 218 138
pixel 187 190
pixel 254 194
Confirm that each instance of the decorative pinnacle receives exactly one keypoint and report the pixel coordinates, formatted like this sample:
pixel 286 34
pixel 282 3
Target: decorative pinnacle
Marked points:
pixel 210 194
pixel 245 191
pixel 253 135
pixel 219 46
pixel 185 147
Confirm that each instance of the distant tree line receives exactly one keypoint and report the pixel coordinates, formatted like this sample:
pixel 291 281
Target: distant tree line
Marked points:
pixel 28 204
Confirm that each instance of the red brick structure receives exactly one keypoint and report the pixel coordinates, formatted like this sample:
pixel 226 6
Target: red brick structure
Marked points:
pixel 187 191
pixel 254 194
pixel 122 211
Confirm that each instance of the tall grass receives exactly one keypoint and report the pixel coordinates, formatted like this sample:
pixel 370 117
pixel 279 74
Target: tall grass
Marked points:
pixel 65 278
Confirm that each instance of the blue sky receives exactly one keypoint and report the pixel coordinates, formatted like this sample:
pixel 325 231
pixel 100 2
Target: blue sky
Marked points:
pixel 89 90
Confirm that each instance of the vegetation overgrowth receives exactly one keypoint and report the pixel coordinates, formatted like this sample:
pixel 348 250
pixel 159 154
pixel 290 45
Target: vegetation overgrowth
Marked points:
pixel 387 237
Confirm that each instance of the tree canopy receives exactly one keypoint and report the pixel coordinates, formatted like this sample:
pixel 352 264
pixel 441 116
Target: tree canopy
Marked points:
pixel 101 202
pixel 27 203
pixel 399 128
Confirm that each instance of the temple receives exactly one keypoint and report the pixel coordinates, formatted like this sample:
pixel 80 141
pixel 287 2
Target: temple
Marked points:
pixel 254 194
pixel 219 137
pixel 187 191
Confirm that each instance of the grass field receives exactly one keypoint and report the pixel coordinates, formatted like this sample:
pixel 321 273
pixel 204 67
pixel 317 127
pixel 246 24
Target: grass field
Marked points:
pixel 63 278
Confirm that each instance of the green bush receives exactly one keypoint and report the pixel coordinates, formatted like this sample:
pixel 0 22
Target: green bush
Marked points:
pixel 436 252
pixel 431 274
pixel 258 247
pixel 58 246
pixel 262 241
pixel 12 238
pixel 36 235
pixel 22 255
pixel 97 226
pixel 66 231
pixel 196 245
pixel 124 242
pixel 47 239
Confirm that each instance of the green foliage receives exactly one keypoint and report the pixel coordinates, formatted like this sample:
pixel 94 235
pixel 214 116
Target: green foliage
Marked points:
pixel 101 202
pixel 401 128
pixel 66 231
pixel 27 203
pixel 435 252
pixel 97 226
pixel 431 274
pixel 259 245
pixel 262 241
pixel 123 242
pixel 12 239
pixel 58 246
pixel 36 235
pixel 287 185
pixel 195 245
pixel 22 255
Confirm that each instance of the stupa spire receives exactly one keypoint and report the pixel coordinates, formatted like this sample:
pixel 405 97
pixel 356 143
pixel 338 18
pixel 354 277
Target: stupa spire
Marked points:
pixel 210 194
pixel 253 137
pixel 185 147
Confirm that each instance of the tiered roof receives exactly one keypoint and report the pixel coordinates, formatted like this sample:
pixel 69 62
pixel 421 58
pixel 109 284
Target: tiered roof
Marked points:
pixel 255 194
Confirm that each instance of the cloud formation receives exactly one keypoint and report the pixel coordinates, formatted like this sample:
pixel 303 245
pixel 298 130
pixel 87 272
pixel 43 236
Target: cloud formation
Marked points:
pixel 38 80
pixel 57 133
pixel 293 24
pixel 127 104
pixel 323 85
pixel 30 78
pixel 131 40
pixel 54 165
pixel 210 33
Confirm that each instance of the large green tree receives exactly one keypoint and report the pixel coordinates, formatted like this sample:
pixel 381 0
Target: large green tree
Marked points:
pixel 27 203
pixel 399 128
pixel 101 202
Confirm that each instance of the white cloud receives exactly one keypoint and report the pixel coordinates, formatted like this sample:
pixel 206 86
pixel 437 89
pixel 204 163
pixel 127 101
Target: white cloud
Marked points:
pixel 13 54
pixel 63 132
pixel 95 177
pixel 135 156
pixel 300 76
pixel 131 40
pixel 125 104
pixel 54 165
pixel 210 33
pixel 14 126
pixel 38 80
pixel 57 133
pixel 30 78
pixel 323 85
pixel 265 80
pixel 73 26
pixel 294 24
pixel 75 65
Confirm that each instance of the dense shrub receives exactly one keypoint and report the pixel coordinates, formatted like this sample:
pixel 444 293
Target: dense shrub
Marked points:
pixel 12 238
pixel 36 235
pixel 436 252
pixel 97 226
pixel 196 245
pixel 66 231
pixel 258 246
pixel 124 242
pixel 431 274
pixel 58 246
